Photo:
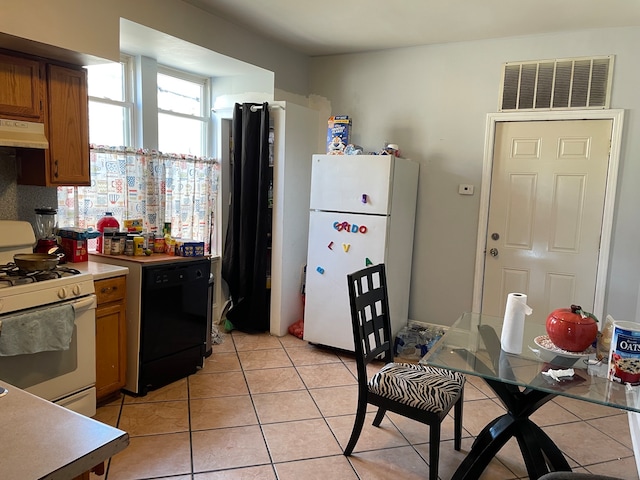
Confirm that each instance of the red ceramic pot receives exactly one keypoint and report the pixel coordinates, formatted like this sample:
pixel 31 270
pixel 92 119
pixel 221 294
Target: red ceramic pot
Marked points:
pixel 569 330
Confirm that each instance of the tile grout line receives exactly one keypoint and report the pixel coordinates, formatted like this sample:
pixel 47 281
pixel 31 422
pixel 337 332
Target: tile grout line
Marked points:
pixel 255 410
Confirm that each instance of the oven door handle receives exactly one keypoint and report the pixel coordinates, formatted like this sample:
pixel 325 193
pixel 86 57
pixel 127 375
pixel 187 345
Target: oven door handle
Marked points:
pixel 84 303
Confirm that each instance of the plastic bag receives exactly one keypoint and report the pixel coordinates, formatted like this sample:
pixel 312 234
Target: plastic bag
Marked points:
pixel 297 329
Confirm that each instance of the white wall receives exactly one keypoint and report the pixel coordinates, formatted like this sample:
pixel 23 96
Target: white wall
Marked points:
pixel 432 101
pixel 92 27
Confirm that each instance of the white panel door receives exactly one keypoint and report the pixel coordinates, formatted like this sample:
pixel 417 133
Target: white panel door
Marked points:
pixel 352 183
pixel 545 214
pixel 332 254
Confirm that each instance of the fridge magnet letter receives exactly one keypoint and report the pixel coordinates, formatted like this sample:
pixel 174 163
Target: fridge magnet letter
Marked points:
pixel 367 262
pixel 320 270
pixel 364 198
pixel 338 226
pixel 330 246
pixel 362 229
pixel 346 246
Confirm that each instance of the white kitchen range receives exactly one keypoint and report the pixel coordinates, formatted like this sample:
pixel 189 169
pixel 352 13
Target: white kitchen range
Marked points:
pixel 47 323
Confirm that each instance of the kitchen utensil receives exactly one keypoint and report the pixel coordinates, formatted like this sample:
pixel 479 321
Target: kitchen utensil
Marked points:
pixel 31 262
pixel 46 225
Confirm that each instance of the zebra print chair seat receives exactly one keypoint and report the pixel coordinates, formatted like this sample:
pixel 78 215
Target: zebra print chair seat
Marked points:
pixel 422 393
pixel 429 388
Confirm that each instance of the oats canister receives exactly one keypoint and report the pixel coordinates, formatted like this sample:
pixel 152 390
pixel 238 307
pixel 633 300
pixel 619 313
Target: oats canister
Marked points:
pixel 624 357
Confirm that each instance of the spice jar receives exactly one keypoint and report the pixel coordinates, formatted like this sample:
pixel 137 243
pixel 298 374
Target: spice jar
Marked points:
pixel 116 248
pixel 106 239
pixel 128 246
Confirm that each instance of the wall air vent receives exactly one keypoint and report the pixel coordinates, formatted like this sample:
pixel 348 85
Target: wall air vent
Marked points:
pixel 559 84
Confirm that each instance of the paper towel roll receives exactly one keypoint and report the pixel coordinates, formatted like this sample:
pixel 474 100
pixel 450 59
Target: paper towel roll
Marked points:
pixel 513 325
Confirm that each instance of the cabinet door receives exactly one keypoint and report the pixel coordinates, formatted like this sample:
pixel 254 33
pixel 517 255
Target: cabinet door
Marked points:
pixel 111 336
pixel 68 126
pixel 21 90
pixel 110 349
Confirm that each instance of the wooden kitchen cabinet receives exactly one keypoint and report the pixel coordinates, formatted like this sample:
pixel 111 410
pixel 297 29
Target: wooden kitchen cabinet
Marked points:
pixel 68 126
pixel 21 88
pixel 111 336
pixel 42 90
pixel 66 162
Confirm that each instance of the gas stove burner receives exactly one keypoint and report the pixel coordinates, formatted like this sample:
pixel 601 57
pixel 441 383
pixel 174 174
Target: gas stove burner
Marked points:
pixel 11 275
pixel 68 270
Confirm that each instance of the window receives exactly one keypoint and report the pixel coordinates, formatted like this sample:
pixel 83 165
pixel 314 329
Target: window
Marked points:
pixel 164 182
pixel 111 103
pixel 182 113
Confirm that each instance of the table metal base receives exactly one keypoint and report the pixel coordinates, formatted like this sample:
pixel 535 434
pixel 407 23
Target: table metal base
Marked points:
pixel 540 454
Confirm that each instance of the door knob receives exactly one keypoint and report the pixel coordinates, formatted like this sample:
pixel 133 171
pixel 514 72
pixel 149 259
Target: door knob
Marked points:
pixel 495 236
pixel 493 252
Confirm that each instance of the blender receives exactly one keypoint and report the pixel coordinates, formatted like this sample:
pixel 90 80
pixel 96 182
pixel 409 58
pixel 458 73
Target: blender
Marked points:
pixel 46 225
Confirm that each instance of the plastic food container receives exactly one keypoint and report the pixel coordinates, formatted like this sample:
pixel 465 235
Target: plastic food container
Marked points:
pixel 107 224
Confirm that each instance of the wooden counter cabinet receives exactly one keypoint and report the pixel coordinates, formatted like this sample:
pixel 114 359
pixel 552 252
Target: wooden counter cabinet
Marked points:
pixel 111 336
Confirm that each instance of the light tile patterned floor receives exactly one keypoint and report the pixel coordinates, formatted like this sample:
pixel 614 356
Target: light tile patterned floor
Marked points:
pixel 268 408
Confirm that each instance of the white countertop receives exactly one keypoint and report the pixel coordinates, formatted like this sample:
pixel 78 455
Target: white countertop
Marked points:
pixel 41 440
pixel 100 271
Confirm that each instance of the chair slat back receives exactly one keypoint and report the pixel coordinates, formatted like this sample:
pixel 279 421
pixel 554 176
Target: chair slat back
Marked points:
pixel 370 315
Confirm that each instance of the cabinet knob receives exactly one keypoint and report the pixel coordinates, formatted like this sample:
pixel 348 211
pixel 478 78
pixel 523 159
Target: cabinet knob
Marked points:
pixel 108 289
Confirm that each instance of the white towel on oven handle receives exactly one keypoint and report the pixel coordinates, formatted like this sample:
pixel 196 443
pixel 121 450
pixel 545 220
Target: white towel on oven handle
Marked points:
pixel 38 330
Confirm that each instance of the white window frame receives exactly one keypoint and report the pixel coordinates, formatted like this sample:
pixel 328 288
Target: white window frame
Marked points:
pixel 129 100
pixel 204 117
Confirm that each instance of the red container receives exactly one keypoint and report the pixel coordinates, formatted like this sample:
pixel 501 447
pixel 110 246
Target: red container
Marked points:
pixel 569 330
pixel 75 250
pixel 107 223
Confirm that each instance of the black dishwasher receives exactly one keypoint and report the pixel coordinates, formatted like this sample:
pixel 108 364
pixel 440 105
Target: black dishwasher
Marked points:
pixel 174 308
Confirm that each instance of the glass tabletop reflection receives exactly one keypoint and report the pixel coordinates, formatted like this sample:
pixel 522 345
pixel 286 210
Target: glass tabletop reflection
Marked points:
pixel 472 346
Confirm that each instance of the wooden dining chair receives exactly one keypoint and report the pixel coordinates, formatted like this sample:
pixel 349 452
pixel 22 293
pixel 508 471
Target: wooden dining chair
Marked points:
pixel 423 393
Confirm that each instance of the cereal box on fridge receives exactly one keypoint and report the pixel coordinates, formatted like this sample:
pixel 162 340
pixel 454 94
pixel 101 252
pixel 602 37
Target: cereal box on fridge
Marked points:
pixel 338 133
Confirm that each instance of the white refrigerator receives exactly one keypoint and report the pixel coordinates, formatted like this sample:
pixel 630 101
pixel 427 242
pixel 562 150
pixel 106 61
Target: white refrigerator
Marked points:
pixel 362 212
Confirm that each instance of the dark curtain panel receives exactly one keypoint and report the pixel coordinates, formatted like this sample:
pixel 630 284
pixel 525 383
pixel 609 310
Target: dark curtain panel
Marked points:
pixel 244 260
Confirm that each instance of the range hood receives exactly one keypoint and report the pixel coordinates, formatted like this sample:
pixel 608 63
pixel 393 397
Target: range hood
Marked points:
pixel 16 133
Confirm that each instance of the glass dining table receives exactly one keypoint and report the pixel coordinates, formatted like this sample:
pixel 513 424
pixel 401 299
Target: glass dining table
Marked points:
pixel 523 383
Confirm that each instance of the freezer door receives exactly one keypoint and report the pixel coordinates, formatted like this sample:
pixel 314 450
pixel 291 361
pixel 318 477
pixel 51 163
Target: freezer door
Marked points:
pixel 352 183
pixel 334 251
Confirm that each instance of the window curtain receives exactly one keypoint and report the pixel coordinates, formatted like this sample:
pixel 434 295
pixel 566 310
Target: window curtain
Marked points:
pixel 245 256
pixel 147 185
